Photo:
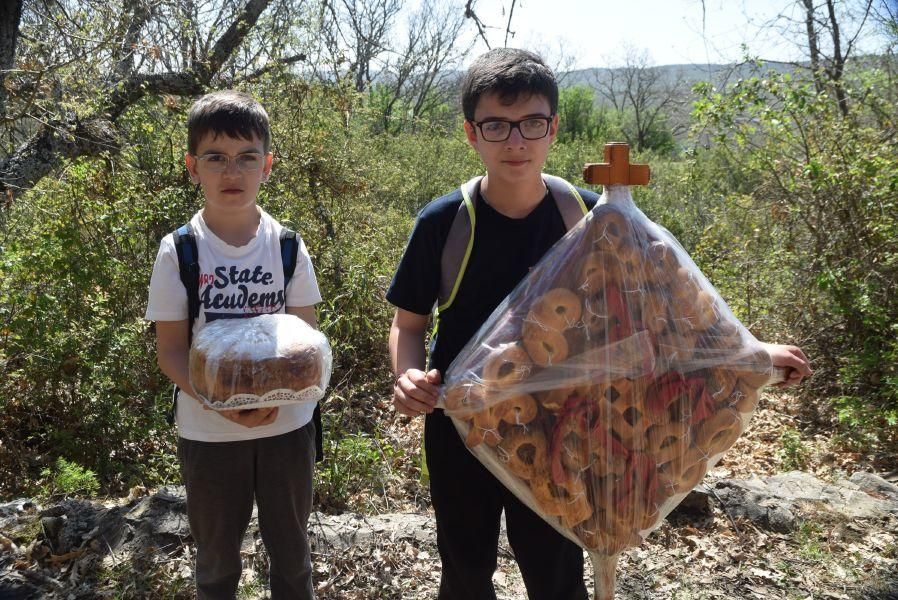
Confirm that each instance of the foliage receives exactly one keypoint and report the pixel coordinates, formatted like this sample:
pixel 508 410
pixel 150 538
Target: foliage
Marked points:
pixel 794 456
pixel 823 190
pixel 355 462
pixel 77 378
pixel 70 478
pixel 788 207
pixel 579 118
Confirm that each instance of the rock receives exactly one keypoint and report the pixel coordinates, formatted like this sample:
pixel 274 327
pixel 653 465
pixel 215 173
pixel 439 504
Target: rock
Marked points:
pixel 751 500
pixel 160 520
pixel 777 503
pixel 52 527
pixel 16 508
pixel 347 530
pixel 875 485
pixel 842 497
pixel 696 503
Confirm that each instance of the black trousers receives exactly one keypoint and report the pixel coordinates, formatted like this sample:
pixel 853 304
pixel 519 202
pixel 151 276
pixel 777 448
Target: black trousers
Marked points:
pixel 468 502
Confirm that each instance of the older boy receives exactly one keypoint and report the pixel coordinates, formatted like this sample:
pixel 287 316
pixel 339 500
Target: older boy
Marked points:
pixel 229 459
pixel 510 99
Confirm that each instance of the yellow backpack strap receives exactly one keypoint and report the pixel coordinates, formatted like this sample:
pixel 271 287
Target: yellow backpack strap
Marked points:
pixel 567 198
pixel 459 242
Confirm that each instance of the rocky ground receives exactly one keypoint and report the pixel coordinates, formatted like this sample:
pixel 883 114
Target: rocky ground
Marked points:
pixel 829 530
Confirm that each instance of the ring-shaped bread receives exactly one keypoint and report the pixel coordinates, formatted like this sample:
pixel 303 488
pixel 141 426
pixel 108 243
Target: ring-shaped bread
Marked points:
pixel 517 410
pixel 598 270
pixel 667 442
pixel 718 432
pixel 558 309
pixel 507 365
pixel 662 262
pixel 611 229
pixel 544 346
pixel 524 452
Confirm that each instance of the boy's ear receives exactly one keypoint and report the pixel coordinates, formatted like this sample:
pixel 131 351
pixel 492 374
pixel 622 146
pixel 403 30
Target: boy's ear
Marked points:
pixel 266 170
pixel 190 162
pixel 470 133
pixel 553 128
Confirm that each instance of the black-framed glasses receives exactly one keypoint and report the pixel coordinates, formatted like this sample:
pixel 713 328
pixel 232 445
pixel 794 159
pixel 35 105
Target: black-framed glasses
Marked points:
pixel 215 162
pixel 531 128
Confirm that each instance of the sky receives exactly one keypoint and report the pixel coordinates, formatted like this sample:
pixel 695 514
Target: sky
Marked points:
pixel 595 32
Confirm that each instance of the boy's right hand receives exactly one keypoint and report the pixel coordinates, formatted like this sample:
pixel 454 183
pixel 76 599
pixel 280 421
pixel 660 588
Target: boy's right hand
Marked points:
pixel 415 392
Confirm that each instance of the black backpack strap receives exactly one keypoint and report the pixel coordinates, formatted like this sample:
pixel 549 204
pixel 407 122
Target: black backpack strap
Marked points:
pixel 189 271
pixel 289 250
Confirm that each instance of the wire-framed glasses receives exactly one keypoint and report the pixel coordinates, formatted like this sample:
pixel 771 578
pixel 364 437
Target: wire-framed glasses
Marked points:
pixel 531 128
pixel 247 162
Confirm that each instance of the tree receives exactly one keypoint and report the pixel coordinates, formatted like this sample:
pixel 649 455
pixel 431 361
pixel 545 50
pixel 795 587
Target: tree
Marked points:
pixel 418 75
pixel 81 65
pixel 639 91
pixel 10 15
pixel 822 188
pixel 829 34
pixel 830 68
pixel 359 29
pixel 578 117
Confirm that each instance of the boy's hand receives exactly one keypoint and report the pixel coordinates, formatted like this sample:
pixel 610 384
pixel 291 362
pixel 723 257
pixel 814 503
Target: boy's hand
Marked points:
pixel 793 360
pixel 415 392
pixel 251 417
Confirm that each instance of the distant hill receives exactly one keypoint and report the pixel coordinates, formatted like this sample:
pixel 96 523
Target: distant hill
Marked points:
pixel 674 81
pixel 688 74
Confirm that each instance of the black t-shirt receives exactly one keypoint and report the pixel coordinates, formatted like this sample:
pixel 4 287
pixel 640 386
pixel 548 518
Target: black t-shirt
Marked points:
pixel 504 250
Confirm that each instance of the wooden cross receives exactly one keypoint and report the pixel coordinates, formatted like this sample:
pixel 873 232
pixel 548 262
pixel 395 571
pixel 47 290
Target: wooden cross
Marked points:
pixel 616 170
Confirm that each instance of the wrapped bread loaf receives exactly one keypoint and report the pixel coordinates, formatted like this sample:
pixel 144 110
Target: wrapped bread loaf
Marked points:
pixel 267 360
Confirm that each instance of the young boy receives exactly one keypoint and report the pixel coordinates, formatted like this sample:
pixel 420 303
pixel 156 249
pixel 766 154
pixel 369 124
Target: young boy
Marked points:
pixel 510 100
pixel 228 459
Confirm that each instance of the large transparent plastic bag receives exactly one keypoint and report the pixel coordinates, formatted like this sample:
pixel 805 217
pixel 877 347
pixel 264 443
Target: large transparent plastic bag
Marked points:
pixel 609 381
pixel 266 360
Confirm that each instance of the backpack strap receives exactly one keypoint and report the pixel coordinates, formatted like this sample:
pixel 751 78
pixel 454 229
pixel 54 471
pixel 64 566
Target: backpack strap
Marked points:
pixel 189 271
pixel 568 199
pixel 460 241
pixel 289 250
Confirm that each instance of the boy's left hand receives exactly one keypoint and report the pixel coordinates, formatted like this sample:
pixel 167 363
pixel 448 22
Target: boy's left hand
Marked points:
pixel 792 359
pixel 251 417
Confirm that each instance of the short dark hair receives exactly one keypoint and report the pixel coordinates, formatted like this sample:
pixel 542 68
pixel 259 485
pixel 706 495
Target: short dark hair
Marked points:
pixel 227 112
pixel 508 72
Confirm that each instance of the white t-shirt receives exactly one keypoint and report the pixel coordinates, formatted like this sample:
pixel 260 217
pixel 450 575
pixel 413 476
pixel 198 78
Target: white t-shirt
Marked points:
pixel 233 281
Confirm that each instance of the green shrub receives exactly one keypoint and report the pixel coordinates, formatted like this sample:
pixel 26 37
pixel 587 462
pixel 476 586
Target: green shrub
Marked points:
pixel 70 478
pixel 794 455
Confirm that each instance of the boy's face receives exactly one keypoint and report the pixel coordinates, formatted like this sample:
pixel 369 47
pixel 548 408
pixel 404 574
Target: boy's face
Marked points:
pixel 230 170
pixel 515 159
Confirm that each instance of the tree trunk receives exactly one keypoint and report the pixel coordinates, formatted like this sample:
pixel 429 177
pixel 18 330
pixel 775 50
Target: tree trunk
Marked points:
pixel 10 15
pixel 813 45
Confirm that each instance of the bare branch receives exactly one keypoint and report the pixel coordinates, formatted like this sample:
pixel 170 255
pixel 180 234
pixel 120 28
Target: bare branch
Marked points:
pixel 508 31
pixel 69 135
pixel 470 14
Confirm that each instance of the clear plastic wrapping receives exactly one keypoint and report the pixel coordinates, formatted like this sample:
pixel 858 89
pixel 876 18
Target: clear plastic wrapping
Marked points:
pixel 609 381
pixel 266 360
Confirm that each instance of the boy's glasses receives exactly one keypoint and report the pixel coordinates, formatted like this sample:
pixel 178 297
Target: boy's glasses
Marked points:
pixel 531 128
pixel 247 162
